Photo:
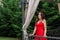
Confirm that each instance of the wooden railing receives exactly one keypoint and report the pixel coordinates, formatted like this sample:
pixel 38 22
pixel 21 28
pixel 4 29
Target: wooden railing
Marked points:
pixel 48 37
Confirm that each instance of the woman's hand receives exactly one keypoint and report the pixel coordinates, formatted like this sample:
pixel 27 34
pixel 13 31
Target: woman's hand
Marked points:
pixel 45 35
pixel 31 34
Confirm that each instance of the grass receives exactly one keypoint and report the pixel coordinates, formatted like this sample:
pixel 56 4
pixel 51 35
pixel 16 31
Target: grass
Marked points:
pixel 7 38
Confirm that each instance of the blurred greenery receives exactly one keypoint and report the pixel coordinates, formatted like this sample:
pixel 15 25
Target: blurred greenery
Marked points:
pixel 7 38
pixel 10 18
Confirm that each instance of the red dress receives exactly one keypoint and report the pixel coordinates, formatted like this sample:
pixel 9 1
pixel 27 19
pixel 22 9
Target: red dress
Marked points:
pixel 40 30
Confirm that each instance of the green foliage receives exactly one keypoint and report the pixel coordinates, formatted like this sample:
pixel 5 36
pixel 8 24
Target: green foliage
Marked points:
pixel 10 18
pixel 57 1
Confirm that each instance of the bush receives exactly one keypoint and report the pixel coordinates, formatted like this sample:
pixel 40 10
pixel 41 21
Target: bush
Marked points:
pixel 10 18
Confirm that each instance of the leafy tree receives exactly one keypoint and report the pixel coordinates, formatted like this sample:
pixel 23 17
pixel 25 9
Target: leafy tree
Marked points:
pixel 10 18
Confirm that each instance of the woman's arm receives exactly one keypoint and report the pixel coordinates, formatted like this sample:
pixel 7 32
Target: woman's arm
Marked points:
pixel 45 27
pixel 34 30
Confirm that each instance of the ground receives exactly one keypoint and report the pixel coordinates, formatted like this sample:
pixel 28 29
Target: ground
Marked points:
pixel 7 38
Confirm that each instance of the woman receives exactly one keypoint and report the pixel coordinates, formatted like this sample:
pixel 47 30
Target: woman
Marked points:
pixel 40 27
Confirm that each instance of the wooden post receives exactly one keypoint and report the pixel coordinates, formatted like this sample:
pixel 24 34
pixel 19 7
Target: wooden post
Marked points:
pixel 23 19
pixel 22 6
pixel 24 14
pixel 26 8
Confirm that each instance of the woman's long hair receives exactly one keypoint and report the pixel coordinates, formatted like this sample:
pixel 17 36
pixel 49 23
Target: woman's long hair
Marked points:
pixel 42 16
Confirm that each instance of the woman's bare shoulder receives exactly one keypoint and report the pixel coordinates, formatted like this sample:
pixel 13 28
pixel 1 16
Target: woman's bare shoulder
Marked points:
pixel 44 20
